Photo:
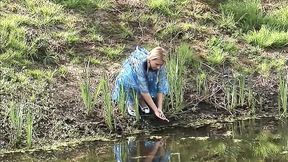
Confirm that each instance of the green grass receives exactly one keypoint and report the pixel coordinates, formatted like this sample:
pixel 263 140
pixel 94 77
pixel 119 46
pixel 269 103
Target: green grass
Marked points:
pixel 94 34
pixel 32 39
pixel 176 68
pixel 247 14
pixel 125 30
pixel 220 49
pixel 70 37
pixel 163 6
pixel 227 21
pixel 47 13
pixel 267 38
pixel 278 19
pixel 86 4
pixel 216 56
pixel 112 52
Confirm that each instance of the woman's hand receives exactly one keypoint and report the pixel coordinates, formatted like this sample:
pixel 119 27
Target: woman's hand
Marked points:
pixel 161 115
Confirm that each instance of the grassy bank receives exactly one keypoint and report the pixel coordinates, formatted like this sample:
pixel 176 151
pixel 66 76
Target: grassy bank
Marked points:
pixel 59 58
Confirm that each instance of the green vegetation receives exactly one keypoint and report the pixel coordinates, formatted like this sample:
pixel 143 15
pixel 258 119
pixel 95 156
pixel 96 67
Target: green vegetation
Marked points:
pixel 108 106
pixel 84 4
pixel 282 98
pixel 45 45
pixel 247 13
pixel 86 94
pixel 112 52
pixel 29 129
pixel 16 118
pixel 278 18
pixel 267 37
pixel 176 69
pixel 28 42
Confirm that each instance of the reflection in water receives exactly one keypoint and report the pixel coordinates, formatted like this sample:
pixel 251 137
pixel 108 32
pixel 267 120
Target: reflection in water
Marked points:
pixel 250 140
pixel 142 150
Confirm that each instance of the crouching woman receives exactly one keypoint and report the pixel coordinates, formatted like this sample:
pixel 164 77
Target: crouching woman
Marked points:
pixel 144 74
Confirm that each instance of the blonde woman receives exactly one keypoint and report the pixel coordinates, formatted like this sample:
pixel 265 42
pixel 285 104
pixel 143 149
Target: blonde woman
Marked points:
pixel 143 74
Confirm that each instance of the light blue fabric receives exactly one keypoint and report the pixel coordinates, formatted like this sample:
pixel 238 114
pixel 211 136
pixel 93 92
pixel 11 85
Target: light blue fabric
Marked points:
pixel 134 148
pixel 134 76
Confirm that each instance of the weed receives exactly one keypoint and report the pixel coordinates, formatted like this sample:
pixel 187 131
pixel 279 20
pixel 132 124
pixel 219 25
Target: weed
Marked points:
pixel 216 56
pixel 86 4
pixel 267 37
pixel 112 52
pixel 282 98
pixel 226 21
pixel 16 118
pixel 247 13
pixel 29 129
pixel 85 90
pixel 278 19
pixel 176 68
pixel 108 106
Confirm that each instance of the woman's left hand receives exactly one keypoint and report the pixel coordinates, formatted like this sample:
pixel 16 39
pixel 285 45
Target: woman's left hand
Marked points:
pixel 162 115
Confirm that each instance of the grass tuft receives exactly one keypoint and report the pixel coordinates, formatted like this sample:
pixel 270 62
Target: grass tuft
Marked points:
pixel 267 38
pixel 247 14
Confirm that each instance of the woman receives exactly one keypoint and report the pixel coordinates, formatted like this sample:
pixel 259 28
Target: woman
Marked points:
pixel 143 74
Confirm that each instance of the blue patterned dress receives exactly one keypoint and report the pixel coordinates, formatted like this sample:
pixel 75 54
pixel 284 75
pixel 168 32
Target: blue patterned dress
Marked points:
pixel 135 76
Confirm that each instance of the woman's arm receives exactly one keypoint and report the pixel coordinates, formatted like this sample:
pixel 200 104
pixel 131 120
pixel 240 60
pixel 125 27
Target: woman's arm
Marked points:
pixel 160 98
pixel 148 99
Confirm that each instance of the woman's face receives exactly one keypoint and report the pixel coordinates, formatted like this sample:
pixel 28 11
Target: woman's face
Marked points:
pixel 156 64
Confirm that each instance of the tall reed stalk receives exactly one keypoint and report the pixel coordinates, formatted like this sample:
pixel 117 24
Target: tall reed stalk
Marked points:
pixel 231 97
pixel 29 129
pixel 176 67
pixel 16 119
pixel 241 81
pixel 251 101
pixel 85 90
pixel 201 83
pixel 136 105
pixel 282 98
pixel 108 105
pixel 122 99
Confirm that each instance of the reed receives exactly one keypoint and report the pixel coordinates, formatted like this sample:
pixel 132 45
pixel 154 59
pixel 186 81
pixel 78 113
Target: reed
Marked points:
pixel 201 83
pixel 136 105
pixel 282 98
pixel 122 100
pixel 231 97
pixel 29 129
pixel 85 90
pixel 176 68
pixel 108 105
pixel 241 94
pixel 16 119
pixel 251 101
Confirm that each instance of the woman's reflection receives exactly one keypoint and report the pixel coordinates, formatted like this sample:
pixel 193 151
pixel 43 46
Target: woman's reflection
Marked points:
pixel 144 150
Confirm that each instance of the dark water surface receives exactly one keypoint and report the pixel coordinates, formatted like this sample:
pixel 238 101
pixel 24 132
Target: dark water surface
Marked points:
pixel 250 140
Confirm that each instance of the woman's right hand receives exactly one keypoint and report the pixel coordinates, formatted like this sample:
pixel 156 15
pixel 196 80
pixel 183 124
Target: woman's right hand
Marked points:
pixel 161 115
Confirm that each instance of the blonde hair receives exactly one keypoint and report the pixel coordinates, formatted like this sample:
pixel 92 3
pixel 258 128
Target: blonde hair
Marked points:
pixel 157 53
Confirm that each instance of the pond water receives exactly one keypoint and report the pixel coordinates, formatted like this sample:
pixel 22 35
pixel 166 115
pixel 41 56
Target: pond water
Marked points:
pixel 249 140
